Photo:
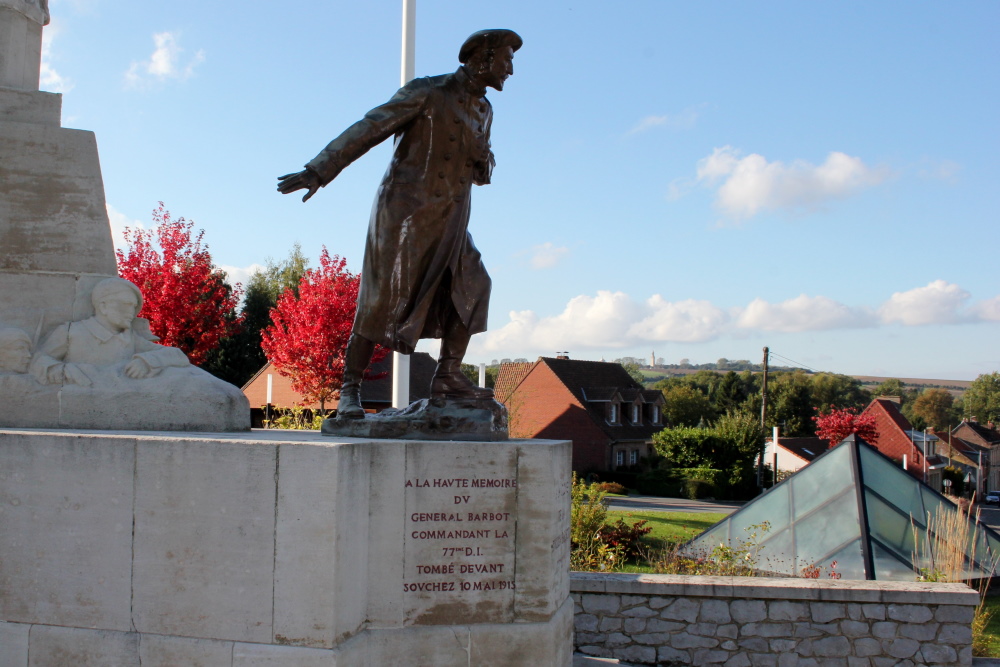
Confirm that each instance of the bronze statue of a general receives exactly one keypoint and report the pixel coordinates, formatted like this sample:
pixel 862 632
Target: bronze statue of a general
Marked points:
pixel 422 276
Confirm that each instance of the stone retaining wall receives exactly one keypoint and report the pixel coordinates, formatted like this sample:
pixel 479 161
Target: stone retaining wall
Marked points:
pixel 744 622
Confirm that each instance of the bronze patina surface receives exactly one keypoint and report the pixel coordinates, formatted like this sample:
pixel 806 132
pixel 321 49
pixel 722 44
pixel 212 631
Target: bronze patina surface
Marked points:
pixel 422 276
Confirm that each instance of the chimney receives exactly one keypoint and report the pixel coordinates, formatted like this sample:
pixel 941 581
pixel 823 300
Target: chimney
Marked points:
pixel 562 355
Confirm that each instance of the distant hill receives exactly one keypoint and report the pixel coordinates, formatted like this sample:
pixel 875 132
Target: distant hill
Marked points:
pixel 956 387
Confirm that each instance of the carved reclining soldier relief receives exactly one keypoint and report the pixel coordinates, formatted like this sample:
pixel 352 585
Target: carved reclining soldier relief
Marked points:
pixel 113 336
pixel 15 350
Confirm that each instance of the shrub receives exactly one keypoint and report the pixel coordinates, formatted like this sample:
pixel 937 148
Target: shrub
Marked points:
pixel 611 487
pixel 625 537
pixel 657 483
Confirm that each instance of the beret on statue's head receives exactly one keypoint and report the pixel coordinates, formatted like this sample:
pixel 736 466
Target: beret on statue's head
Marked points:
pixel 110 286
pixel 489 39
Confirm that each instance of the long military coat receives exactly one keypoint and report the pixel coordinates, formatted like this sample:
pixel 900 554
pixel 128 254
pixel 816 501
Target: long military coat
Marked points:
pixel 419 257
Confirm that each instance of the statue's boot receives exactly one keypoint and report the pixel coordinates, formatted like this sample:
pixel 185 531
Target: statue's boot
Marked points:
pixel 449 380
pixel 356 359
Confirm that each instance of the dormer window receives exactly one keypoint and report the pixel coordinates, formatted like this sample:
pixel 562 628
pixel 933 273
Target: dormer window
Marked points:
pixel 613 413
pixel 636 413
pixel 654 414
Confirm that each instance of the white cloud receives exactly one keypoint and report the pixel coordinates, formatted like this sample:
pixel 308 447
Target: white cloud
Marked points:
pixel 988 310
pixel 166 62
pixel 752 184
pixel 240 274
pixel 49 79
pixel 609 320
pixel 614 320
pixel 686 321
pixel 683 120
pixel 547 255
pixel 937 303
pixel 119 221
pixel 803 313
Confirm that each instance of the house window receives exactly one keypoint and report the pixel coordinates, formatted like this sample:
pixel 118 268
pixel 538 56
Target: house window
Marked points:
pixel 613 413
pixel 620 457
pixel 655 416
pixel 633 457
pixel 636 409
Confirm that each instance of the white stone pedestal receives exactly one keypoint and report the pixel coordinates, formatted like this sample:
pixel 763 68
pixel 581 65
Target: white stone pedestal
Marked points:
pixel 282 548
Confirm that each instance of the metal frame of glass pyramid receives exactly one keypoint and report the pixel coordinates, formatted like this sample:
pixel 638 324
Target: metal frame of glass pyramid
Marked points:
pixel 852 505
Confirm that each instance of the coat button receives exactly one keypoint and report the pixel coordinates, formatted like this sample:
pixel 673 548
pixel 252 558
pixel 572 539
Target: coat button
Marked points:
pixel 447 156
pixel 437 193
pixel 457 120
pixel 451 138
pixel 468 163
pixel 482 107
pixel 462 180
pixel 440 174
pixel 461 100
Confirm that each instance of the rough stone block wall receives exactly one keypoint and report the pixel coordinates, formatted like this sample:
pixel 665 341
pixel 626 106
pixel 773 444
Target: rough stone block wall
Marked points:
pixel 750 622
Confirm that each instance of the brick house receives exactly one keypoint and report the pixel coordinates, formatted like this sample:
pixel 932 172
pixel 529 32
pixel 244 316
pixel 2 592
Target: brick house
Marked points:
pixel 899 441
pixel 964 455
pixel 376 395
pixel 987 437
pixel 609 417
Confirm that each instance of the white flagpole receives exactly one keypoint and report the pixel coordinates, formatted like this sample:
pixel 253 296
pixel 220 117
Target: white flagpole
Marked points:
pixel 401 362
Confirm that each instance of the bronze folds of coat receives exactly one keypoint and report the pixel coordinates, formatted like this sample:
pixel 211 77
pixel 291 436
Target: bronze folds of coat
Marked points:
pixel 419 256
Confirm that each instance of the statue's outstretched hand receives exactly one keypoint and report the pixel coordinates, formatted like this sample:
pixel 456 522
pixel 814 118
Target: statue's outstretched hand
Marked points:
pixel 300 180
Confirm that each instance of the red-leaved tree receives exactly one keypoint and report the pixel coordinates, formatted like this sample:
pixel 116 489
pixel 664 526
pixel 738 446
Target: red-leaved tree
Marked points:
pixel 837 424
pixel 185 298
pixel 308 334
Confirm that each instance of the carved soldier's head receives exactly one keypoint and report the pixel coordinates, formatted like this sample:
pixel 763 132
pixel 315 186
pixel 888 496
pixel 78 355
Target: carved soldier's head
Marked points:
pixel 488 56
pixel 116 303
pixel 15 350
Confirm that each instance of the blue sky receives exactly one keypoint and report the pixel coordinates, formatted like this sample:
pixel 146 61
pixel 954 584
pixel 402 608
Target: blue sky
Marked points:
pixel 694 179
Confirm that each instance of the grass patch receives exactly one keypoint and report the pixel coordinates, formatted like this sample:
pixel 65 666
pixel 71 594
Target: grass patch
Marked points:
pixel 992 632
pixel 668 528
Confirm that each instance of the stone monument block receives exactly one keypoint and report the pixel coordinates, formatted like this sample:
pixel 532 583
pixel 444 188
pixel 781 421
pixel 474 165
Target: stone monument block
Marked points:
pixel 53 212
pixel 66 531
pixel 282 548
pixel 204 539
pixel 74 646
pixel 318 496
pixel 20 46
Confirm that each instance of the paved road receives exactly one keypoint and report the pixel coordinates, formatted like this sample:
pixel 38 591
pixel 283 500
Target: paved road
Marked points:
pixel 990 515
pixel 657 504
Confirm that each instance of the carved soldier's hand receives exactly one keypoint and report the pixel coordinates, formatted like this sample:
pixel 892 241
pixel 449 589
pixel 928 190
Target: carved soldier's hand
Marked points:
pixel 300 180
pixel 138 369
pixel 74 375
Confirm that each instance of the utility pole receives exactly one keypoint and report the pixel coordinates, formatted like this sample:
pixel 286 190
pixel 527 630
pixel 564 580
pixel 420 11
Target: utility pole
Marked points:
pixel 763 422
pixel 763 394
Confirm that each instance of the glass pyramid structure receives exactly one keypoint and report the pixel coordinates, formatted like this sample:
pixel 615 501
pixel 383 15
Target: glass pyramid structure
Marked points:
pixel 855 506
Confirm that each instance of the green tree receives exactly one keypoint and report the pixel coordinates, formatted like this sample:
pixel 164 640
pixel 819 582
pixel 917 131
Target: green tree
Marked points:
pixel 935 408
pixel 239 356
pixel 890 387
pixel 840 390
pixel 686 406
pixel 790 404
pixel 982 398
pixel 685 447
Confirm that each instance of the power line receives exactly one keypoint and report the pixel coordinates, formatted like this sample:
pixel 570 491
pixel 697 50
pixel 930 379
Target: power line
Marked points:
pixel 792 361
